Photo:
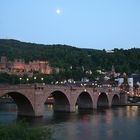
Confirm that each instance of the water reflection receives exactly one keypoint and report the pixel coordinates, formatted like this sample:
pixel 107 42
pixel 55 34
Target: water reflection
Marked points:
pixel 132 111
pixel 103 124
pixel 8 113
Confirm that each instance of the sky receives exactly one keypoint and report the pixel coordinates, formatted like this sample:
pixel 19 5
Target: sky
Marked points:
pixel 96 24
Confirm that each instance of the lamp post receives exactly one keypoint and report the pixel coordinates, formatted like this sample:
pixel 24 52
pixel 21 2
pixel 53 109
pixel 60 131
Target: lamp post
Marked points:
pixel 34 79
pixel 42 79
pixel 27 80
pixel 20 80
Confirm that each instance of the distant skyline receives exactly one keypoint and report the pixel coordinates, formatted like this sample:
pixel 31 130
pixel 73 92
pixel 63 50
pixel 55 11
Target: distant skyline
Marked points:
pixel 96 24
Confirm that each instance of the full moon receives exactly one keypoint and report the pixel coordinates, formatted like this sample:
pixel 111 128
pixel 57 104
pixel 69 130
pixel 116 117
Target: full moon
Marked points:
pixel 58 11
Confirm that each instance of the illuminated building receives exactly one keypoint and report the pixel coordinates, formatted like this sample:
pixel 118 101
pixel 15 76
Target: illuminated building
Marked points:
pixel 19 67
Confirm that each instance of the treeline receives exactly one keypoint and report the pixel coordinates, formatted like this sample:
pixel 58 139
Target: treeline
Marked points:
pixel 68 57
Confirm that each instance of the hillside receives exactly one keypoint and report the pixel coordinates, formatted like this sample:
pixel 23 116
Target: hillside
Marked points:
pixel 65 56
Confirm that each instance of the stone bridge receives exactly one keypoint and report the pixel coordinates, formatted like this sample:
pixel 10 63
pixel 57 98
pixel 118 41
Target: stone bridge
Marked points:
pixel 30 99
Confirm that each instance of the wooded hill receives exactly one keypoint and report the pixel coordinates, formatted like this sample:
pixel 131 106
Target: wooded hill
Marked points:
pixel 65 56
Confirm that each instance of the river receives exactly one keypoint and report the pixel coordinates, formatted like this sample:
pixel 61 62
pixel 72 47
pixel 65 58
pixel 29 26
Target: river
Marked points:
pixel 118 123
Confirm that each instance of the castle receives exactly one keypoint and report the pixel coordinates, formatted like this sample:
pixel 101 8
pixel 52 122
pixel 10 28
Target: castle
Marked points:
pixel 19 67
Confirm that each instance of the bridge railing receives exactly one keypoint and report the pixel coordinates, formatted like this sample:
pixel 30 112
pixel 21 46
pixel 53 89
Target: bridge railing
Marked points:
pixel 16 87
pixel 57 87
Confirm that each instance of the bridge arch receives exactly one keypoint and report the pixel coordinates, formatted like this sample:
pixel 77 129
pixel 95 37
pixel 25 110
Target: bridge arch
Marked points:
pixel 103 100
pixel 84 101
pixel 61 101
pixel 115 100
pixel 24 106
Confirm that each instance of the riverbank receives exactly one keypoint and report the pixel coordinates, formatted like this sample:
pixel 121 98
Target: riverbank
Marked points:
pixel 134 104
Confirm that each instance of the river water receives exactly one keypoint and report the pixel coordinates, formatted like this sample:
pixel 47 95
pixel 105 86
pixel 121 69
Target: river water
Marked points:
pixel 105 124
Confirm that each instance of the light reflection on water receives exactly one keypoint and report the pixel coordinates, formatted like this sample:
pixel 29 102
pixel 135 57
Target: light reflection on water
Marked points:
pixel 105 124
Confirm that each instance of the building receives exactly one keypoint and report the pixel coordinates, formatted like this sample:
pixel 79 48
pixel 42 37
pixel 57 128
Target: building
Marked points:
pixel 39 66
pixel 136 84
pixel 19 67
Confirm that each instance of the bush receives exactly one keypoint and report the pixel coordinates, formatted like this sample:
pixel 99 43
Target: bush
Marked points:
pixel 22 131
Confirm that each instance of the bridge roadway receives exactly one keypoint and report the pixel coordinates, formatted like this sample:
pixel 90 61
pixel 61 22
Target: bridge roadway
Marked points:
pixel 30 99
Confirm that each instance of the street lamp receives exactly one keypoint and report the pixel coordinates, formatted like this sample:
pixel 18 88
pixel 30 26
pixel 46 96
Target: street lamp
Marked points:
pixel 20 79
pixel 27 80
pixel 42 79
pixel 34 79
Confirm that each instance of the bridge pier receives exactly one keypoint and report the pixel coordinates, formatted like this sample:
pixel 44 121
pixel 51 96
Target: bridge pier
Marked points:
pixel 72 108
pixel 123 98
pixel 38 103
pixel 110 97
pixel 95 99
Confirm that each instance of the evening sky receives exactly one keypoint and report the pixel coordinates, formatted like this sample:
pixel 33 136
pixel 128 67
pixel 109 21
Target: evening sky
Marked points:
pixel 97 24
